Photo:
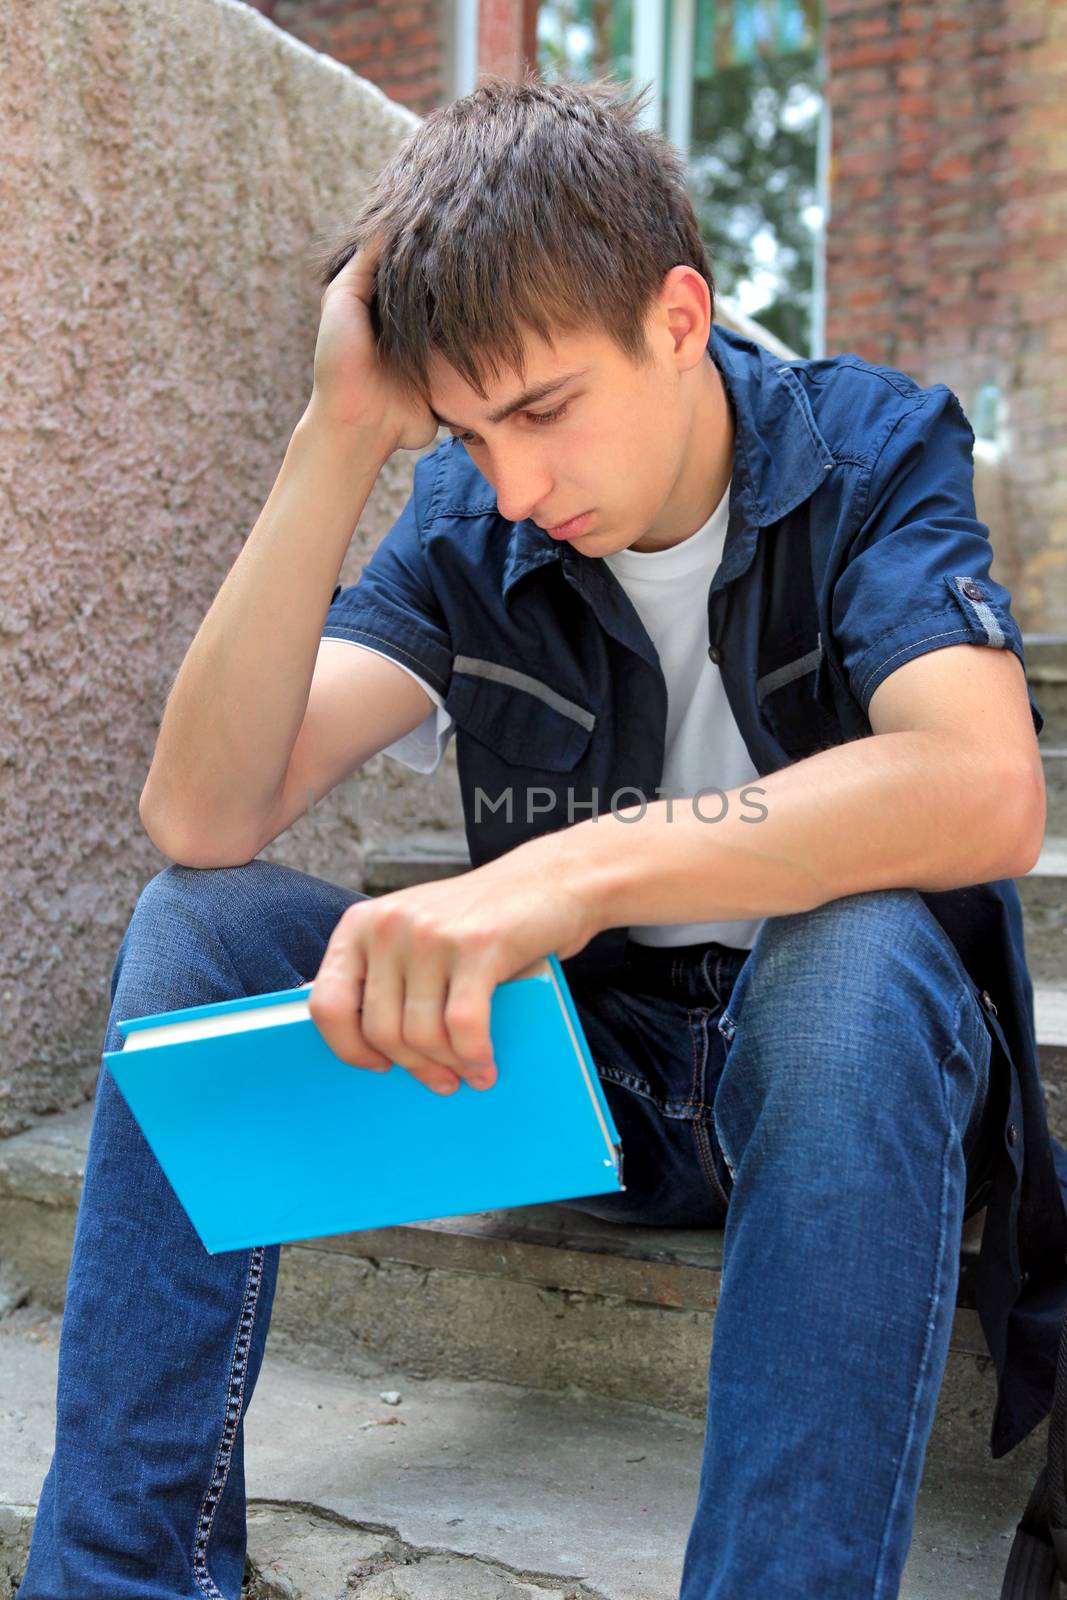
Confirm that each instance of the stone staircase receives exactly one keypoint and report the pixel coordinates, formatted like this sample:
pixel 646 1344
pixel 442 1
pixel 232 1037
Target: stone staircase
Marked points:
pixel 551 1367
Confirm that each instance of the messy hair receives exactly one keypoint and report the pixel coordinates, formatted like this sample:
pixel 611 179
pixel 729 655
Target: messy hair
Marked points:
pixel 528 204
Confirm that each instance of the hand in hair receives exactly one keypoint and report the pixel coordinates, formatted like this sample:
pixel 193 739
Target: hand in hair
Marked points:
pixel 351 390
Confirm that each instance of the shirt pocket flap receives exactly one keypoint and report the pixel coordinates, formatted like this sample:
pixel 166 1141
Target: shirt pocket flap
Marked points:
pixel 520 717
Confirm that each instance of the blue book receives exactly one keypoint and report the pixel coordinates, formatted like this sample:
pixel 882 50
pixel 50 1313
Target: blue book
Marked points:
pixel 266 1135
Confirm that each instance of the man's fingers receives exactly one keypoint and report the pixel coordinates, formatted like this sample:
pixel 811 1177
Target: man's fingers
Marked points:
pixel 426 1028
pixel 358 272
pixel 466 1015
pixel 403 1007
pixel 383 1024
pixel 335 1007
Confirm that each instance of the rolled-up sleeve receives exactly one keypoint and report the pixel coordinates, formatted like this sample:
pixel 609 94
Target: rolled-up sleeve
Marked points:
pixel 392 606
pixel 917 573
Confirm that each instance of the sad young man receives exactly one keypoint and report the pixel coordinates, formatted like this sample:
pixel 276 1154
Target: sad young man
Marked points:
pixel 743 735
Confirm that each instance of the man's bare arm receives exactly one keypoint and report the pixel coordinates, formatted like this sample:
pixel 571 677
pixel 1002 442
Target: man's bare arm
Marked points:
pixel 948 791
pixel 360 703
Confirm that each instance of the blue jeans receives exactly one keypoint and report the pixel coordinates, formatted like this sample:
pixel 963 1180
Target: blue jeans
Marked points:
pixel 821 1098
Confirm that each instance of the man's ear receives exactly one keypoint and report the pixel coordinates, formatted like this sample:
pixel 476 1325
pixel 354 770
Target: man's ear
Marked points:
pixel 685 307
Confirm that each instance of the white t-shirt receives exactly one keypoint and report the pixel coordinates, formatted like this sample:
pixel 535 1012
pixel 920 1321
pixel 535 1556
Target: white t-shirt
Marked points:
pixel 704 748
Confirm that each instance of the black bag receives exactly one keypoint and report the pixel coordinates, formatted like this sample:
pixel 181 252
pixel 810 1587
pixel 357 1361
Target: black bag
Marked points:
pixel 1037 1562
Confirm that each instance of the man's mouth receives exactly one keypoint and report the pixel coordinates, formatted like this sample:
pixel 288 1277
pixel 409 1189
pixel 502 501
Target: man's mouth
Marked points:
pixel 571 528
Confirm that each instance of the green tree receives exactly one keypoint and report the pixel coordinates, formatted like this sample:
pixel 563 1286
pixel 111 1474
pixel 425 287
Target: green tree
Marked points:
pixel 753 179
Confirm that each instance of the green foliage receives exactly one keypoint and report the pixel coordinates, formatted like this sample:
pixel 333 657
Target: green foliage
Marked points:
pixel 752 172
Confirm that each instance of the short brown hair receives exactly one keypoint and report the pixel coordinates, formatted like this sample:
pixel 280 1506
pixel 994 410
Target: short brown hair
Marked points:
pixel 522 203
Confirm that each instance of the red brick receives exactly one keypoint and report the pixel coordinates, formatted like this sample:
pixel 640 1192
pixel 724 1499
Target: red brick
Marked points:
pixel 861 163
pixel 866 55
pixel 953 167
pixel 914 75
pixel 873 296
pixel 861 189
pixel 358 25
pixel 871 28
pixel 915 105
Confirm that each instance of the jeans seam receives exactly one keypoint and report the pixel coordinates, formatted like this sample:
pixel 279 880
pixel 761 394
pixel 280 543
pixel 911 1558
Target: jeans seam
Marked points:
pixel 698 1022
pixel 937 1297
pixel 703 1142
pixel 224 1454
pixel 698 1038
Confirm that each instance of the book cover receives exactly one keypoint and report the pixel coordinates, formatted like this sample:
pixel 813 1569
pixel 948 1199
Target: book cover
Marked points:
pixel 267 1136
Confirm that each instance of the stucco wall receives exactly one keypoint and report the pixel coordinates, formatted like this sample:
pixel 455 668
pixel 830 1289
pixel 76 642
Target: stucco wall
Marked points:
pixel 166 169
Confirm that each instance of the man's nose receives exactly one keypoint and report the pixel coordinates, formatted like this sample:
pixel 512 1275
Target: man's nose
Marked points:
pixel 520 488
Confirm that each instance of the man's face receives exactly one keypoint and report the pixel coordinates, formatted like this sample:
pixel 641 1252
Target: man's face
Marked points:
pixel 613 439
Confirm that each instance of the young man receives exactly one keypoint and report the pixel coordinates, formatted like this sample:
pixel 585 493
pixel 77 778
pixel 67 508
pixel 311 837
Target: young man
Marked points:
pixel 743 735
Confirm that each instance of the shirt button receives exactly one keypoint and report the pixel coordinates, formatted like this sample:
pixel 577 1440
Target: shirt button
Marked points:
pixel 714 653
pixel 971 589
pixel 1013 1133
pixel 987 1000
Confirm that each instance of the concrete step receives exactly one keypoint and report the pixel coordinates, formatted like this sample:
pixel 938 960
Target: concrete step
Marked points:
pixel 1043 892
pixel 472 1489
pixel 1055 763
pixel 1046 671
pixel 539 1295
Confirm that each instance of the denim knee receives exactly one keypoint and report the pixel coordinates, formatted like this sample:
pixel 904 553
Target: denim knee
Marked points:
pixel 854 1013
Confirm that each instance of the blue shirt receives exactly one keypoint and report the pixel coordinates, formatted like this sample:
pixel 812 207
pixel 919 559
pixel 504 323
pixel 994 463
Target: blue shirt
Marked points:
pixel 852 547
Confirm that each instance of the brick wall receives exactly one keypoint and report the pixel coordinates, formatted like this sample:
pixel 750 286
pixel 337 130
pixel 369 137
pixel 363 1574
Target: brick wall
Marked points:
pixel 401 46
pixel 947 239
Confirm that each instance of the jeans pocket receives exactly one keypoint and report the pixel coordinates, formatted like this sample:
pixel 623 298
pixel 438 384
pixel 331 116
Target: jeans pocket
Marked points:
pixel 658 1049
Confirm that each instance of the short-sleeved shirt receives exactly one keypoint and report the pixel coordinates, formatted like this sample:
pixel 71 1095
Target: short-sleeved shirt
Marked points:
pixel 853 546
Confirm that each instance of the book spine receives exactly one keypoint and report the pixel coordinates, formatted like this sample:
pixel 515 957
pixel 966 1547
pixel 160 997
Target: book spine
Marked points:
pixel 566 1004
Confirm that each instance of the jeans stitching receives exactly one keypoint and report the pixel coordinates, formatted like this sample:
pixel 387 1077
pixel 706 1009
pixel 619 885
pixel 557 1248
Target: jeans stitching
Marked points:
pixel 698 1018
pixel 937 1296
pixel 707 1161
pixel 698 1027
pixel 235 1396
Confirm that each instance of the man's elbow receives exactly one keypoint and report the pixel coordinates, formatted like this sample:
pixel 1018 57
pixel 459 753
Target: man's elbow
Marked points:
pixel 190 848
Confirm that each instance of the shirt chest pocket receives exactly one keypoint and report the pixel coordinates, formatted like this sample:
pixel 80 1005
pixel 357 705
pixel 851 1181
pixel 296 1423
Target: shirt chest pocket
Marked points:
pixel 519 717
pixel 788 699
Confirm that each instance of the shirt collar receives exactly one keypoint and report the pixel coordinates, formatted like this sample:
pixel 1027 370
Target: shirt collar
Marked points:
pixel 780 457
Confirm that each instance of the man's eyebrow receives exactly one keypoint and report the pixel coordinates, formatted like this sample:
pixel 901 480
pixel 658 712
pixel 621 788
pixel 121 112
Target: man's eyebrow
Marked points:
pixel 540 391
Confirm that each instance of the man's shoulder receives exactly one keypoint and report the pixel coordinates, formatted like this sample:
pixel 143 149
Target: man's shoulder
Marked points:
pixel 859 405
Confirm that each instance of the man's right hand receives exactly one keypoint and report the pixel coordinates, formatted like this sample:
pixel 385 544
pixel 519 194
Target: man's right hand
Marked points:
pixel 351 390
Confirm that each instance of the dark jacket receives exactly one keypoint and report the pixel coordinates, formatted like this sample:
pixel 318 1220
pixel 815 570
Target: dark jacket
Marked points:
pixel 852 547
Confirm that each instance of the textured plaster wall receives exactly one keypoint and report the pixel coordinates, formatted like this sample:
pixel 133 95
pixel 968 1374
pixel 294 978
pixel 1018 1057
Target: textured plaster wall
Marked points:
pixel 165 171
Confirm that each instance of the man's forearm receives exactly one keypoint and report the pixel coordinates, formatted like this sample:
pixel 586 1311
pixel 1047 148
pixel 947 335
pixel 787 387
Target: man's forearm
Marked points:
pixel 892 810
pixel 235 709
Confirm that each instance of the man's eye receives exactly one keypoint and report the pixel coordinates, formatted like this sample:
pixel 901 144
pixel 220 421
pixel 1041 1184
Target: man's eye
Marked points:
pixel 534 416
pixel 547 416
